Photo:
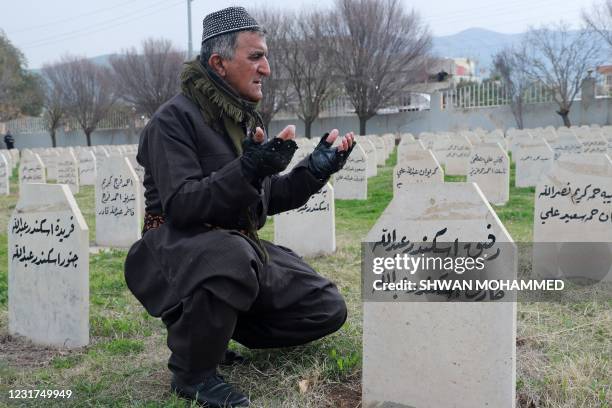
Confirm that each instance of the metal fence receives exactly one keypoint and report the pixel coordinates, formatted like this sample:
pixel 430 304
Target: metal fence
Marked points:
pixel 342 106
pixel 114 120
pixel 489 94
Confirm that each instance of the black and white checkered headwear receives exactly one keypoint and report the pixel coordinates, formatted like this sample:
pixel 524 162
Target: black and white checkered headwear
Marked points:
pixel 226 21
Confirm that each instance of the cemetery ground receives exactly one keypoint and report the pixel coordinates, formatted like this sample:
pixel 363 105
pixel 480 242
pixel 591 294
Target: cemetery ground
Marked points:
pixel 563 350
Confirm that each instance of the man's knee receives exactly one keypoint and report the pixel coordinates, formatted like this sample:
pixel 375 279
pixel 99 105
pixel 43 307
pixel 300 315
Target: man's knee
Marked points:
pixel 232 268
pixel 337 312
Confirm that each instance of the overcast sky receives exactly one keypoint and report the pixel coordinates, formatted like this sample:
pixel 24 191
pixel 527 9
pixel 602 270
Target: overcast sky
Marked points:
pixel 45 30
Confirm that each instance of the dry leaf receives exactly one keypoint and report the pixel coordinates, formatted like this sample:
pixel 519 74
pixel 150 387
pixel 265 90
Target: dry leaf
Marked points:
pixel 303 386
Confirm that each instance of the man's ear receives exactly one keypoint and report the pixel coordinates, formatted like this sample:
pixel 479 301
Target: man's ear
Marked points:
pixel 216 62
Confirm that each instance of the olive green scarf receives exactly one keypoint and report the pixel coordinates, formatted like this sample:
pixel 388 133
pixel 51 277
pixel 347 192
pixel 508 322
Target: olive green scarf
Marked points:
pixel 226 113
pixel 219 103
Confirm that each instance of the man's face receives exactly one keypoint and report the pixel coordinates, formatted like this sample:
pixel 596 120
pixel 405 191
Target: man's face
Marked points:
pixel 246 70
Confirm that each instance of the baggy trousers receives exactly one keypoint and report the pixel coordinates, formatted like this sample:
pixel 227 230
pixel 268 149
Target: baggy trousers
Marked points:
pixel 281 303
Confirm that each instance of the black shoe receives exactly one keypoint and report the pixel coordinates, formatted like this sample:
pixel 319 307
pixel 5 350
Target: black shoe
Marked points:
pixel 212 392
pixel 232 358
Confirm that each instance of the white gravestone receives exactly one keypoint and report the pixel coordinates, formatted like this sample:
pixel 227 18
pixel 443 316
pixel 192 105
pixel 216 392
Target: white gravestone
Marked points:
pixel 50 159
pixel 310 229
pixel 389 139
pixel 573 210
pixel 440 148
pixel 8 157
pixel 381 150
pixel 406 136
pixel 118 203
pixel 428 139
pixel 533 160
pixel 31 170
pixel 15 154
pixel 140 172
pixel 473 137
pixel 371 155
pixel 407 146
pixel 417 167
pixel 87 168
pixel 489 167
pixel 68 171
pixel 566 143
pixel 101 155
pixel 351 183
pixel 516 138
pixel 419 353
pixel 4 176
pixel 49 267
pixel 457 156
pixel 593 142
pixel 305 147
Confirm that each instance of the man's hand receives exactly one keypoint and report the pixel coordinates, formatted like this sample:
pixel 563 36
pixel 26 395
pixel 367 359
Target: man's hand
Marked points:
pixel 260 160
pixel 288 133
pixel 326 160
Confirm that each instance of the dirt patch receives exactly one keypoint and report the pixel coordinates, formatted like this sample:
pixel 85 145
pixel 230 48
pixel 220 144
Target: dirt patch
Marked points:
pixel 19 352
pixel 525 401
pixel 346 394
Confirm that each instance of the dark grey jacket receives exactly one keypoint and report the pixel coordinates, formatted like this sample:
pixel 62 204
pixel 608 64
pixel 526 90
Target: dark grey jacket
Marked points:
pixel 193 176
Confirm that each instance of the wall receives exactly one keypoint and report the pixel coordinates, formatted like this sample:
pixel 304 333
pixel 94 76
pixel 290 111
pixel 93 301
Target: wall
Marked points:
pixel 589 110
pixel 76 138
pixel 583 112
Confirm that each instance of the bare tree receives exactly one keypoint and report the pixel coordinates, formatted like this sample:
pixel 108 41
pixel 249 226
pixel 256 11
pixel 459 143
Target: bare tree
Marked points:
pixel 54 103
pixel 86 90
pixel 599 20
pixel 306 56
pixel 149 79
pixel 510 67
pixel 559 58
pixel 379 48
pixel 276 87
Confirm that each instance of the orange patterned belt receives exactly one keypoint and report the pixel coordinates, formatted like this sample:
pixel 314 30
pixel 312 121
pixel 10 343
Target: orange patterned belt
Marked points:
pixel 152 221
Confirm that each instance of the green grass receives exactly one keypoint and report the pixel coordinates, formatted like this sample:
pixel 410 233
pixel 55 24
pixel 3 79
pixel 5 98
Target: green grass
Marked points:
pixel 563 352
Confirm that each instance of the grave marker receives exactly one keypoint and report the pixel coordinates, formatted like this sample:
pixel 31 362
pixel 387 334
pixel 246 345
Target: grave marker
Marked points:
pixel 419 353
pixel 48 267
pixel 489 167
pixel 118 203
pixel 68 171
pixel 310 229
pixel 351 183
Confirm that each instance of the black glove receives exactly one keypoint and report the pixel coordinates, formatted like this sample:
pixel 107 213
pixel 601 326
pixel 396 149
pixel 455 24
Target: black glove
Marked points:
pixel 260 160
pixel 325 160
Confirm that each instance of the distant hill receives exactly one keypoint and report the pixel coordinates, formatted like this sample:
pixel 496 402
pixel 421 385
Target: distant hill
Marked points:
pixel 481 45
pixel 475 43
pixel 100 60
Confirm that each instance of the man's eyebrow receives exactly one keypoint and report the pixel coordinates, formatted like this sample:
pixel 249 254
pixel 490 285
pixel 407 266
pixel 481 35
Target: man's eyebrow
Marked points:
pixel 259 51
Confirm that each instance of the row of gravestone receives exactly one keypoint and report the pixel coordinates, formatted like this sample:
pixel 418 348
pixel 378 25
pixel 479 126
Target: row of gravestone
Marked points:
pixel 417 353
pixel 406 345
pixel 49 243
pixel 117 177
pixel 486 164
pixel 409 357
pixel 119 210
pixel 484 160
pixel 72 166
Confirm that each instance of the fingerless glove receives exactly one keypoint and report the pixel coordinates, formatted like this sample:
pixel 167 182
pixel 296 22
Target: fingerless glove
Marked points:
pixel 325 160
pixel 260 160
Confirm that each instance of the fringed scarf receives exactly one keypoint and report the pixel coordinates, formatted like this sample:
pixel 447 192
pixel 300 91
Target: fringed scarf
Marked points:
pixel 226 113
pixel 217 101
